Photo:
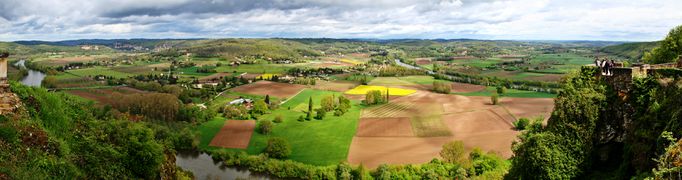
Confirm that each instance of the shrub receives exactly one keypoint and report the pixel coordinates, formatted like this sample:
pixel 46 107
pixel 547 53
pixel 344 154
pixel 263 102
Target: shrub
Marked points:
pixel 344 171
pixel 374 97
pixel 441 87
pixel 278 148
pixel 494 99
pixel 50 82
pixel 483 162
pixel 274 104
pixel 8 134
pixel 278 119
pixel 453 152
pixel 260 107
pixel 301 118
pixel 320 113
pixel 185 140
pixel 344 105
pixel 501 90
pixel 521 124
pixel 327 103
pixel 265 126
pixel 338 112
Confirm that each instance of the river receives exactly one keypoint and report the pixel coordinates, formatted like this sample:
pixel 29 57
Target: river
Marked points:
pixel 203 167
pixel 34 78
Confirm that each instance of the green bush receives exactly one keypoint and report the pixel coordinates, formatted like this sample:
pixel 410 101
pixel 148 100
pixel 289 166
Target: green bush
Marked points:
pixel 521 124
pixel 436 169
pixel 501 90
pixel 344 171
pixel 494 99
pixel 441 87
pixel 482 162
pixel 374 97
pixel 320 114
pixel 278 119
pixel 9 134
pixel 185 140
pixel 278 148
pixel 265 126
pixel 260 107
pixel 453 152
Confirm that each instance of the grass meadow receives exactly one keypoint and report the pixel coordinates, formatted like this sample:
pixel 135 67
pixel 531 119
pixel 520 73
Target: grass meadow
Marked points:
pixel 319 142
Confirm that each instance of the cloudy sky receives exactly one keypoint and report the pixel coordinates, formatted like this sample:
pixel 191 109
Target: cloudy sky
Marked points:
pixel 641 20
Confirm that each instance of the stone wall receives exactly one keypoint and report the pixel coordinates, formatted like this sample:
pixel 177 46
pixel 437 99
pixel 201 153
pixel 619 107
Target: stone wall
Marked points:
pixel 621 80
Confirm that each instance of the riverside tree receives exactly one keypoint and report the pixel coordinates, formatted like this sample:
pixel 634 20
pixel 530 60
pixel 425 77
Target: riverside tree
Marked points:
pixel 278 148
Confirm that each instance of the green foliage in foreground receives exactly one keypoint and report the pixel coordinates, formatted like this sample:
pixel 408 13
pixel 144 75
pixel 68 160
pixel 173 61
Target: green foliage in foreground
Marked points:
pixel 521 124
pixel 485 166
pixel 562 150
pixel 57 135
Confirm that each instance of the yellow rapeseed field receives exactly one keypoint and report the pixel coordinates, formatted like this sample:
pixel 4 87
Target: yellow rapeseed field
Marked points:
pixel 363 89
pixel 267 76
pixel 352 61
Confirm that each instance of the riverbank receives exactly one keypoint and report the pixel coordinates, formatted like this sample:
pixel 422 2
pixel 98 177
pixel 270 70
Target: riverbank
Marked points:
pixel 203 166
pixel 32 78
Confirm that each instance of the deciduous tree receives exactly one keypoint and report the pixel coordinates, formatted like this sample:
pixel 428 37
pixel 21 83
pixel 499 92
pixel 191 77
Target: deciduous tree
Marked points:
pixel 278 148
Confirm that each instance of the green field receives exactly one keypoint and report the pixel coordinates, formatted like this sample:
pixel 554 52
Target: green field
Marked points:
pixel 479 63
pixel 135 69
pixel 561 63
pixel 424 80
pixel 510 93
pixel 319 142
pixel 62 76
pixel 100 71
pixel 524 75
pixel 257 68
pixel 192 71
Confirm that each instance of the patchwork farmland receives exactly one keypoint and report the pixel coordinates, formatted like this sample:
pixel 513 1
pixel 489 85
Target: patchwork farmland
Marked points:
pixel 380 134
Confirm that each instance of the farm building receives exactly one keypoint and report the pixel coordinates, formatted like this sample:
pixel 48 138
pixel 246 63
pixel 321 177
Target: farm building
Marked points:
pixel 242 101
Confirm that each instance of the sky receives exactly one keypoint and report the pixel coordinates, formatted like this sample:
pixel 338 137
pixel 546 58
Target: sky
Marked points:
pixel 611 20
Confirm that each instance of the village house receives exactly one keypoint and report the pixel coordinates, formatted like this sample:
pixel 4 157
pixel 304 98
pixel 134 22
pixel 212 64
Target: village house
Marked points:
pixel 248 103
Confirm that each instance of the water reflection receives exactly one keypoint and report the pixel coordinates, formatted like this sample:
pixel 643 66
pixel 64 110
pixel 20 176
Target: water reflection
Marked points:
pixel 34 78
pixel 204 167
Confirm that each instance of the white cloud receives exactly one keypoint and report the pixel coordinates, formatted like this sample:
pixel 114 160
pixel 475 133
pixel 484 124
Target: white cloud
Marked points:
pixel 504 19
